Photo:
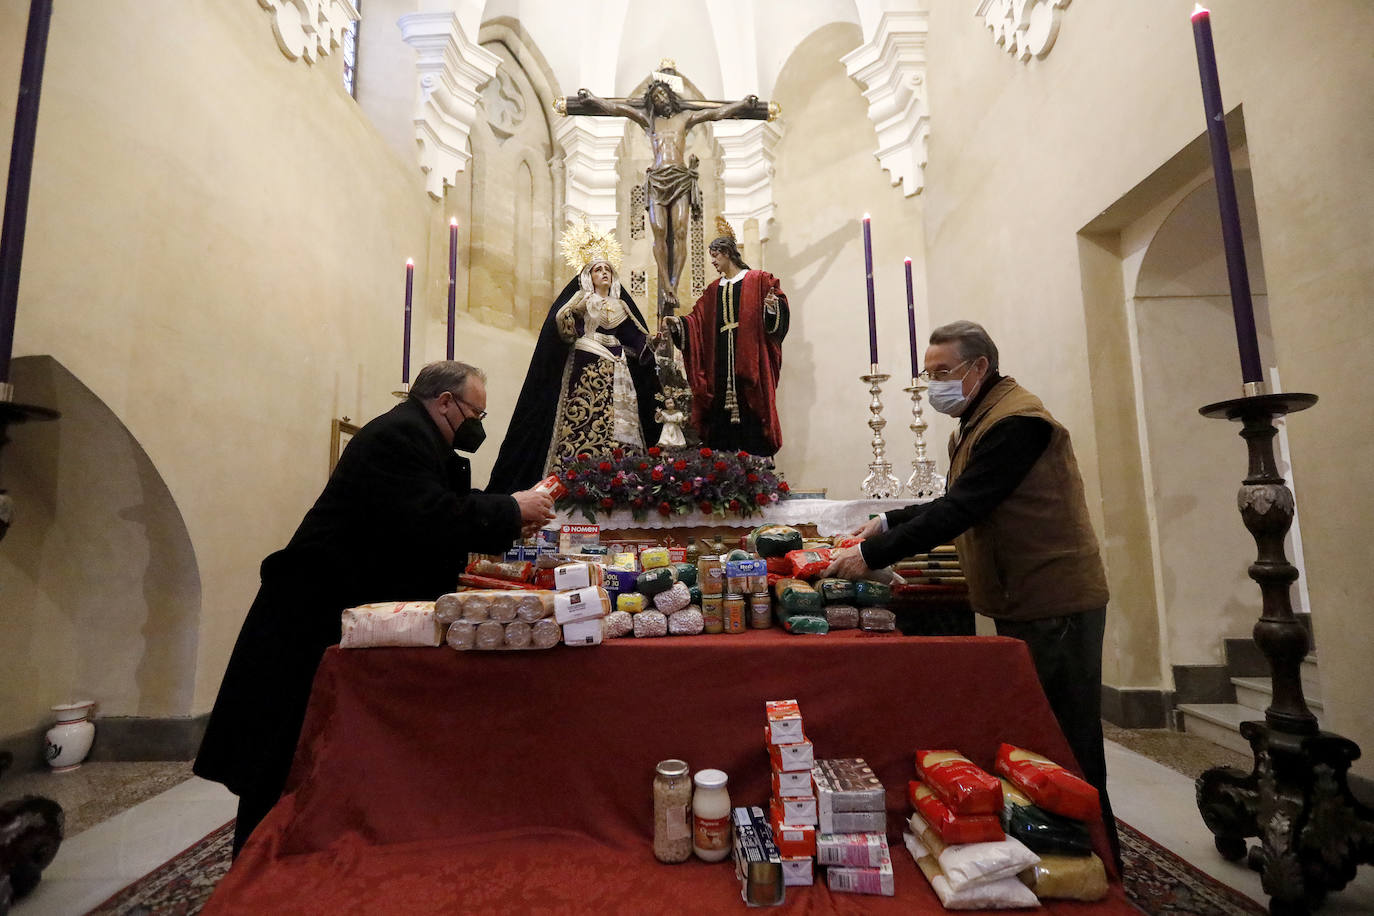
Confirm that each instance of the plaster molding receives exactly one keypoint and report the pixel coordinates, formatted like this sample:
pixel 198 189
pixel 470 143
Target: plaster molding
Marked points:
pixel 891 66
pixel 309 28
pixel 452 68
pixel 747 171
pixel 1024 28
pixel 590 145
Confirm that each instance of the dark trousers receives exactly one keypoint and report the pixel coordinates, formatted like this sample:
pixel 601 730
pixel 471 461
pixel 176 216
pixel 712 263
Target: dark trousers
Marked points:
pixel 1067 652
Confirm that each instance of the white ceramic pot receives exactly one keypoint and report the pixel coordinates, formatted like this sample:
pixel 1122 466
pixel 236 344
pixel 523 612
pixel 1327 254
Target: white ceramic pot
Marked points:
pixel 68 742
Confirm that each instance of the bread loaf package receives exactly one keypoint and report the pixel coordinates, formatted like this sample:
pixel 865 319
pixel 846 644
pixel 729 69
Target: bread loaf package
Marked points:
pixel 581 574
pixel 390 623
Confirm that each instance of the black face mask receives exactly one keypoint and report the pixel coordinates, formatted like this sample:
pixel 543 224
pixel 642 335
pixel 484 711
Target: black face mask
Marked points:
pixel 469 435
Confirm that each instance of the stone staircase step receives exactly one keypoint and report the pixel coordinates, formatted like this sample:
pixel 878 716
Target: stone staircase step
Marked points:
pixel 1219 723
pixel 1258 692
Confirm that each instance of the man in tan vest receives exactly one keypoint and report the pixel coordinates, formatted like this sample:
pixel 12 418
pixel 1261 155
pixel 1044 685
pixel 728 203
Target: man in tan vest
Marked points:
pixel 1016 511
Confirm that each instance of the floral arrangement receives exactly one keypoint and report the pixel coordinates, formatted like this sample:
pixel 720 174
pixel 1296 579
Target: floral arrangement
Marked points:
pixel 670 482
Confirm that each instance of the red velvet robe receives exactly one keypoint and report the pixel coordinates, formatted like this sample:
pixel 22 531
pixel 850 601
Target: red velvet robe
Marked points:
pixel 758 355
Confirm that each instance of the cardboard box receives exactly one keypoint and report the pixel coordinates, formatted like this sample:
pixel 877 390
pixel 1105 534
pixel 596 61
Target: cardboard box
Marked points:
pixel 791 839
pixel 864 850
pixel 784 722
pixel 757 863
pixel 845 879
pixel 798 756
pixel 572 538
pixel 791 785
pixel 848 784
pixel 798 872
pixel 800 810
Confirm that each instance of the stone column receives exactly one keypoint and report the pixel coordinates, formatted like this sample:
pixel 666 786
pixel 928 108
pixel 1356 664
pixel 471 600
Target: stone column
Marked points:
pixel 589 147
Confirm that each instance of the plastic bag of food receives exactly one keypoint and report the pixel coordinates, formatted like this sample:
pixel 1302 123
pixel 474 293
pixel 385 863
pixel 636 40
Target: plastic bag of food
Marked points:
pixel 1048 784
pixel 674 599
pixel 796 597
pixel 655 580
pixel 491 634
pixel 686 622
pixel 630 603
pixel 961 784
pixel 461 635
pixel 842 616
pixel 686 573
pixel 877 620
pixel 1002 894
pixel 518 635
pixel 650 623
pixel 545 634
pixel 617 624
pixel 654 558
pixel 1041 831
pixel 582 574
pixel 802 622
pixel 774 540
pixel 532 606
pixel 809 564
pixel 868 593
pixel 836 591
pixel 511 570
pixel 971 863
pixel 952 828
pixel 390 623
pixel 1067 877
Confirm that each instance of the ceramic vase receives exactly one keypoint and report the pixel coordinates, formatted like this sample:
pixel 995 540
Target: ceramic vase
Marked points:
pixel 68 742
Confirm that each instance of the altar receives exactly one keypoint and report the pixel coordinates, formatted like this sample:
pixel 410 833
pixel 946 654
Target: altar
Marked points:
pixel 828 517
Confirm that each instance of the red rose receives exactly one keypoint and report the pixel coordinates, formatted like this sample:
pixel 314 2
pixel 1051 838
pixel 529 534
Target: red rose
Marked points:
pixel 784 488
pixel 710 478
pixel 705 505
pixel 752 477
pixel 604 467
pixel 741 454
pixel 644 465
pixel 571 475
pixel 583 456
pixel 657 474
pixel 665 509
pixel 607 502
pixel 686 486
pixel 581 490
pixel 721 465
pixel 617 453
pixel 706 453
pixel 762 499
pixel 734 504
pixel 679 465
pixel 638 502
pixel 655 450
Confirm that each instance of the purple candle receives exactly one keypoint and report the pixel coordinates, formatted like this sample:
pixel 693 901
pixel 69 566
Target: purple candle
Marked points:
pixel 452 280
pixel 1241 308
pixel 872 309
pixel 911 323
pixel 405 345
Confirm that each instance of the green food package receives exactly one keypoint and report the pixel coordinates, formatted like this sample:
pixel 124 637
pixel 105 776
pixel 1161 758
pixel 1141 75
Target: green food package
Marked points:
pixel 738 554
pixel 802 623
pixel 774 540
pixel 871 594
pixel 836 591
pixel 694 592
pixel 653 581
pixel 799 598
pixel 686 573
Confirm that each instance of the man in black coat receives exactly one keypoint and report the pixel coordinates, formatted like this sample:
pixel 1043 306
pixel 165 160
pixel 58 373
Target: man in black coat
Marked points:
pixel 395 523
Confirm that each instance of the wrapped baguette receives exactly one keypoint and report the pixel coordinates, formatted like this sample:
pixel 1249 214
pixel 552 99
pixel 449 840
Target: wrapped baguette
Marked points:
pixel 390 623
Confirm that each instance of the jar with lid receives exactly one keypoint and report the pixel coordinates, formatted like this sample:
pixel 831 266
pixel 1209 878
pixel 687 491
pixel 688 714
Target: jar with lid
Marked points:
pixel 713 613
pixel 711 575
pixel 711 816
pixel 672 812
pixel 761 611
pixel 734 613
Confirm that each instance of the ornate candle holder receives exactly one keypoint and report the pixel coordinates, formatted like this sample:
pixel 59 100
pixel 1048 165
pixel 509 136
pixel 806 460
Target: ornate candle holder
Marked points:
pixel 880 483
pixel 403 392
pixel 923 482
pixel 1313 833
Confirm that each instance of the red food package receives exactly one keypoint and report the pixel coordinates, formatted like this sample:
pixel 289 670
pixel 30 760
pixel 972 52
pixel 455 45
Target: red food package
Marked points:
pixel 511 570
pixel 809 564
pixel 543 579
pixel 468 580
pixel 847 541
pixel 779 566
pixel 553 486
pixel 960 783
pixel 953 828
pixel 1048 784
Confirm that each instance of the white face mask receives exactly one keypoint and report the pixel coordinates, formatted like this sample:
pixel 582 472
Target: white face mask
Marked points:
pixel 947 396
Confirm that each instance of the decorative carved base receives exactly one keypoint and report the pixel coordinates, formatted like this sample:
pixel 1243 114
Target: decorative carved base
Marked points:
pixel 880 482
pixel 1312 831
pixel 924 481
pixel 30 833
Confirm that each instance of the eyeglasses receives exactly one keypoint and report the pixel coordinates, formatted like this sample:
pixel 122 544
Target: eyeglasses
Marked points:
pixel 480 414
pixel 942 375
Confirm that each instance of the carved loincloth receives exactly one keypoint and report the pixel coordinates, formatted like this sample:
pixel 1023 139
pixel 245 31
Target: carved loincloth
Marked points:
pixel 666 183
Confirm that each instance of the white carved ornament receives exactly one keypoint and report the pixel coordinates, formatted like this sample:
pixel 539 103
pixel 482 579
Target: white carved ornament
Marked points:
pixel 309 28
pixel 1024 28
pixel 891 67
pixel 747 170
pixel 589 147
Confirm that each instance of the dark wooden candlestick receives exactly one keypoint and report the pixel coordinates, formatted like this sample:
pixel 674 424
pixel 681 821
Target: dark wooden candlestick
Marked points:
pixel 1312 831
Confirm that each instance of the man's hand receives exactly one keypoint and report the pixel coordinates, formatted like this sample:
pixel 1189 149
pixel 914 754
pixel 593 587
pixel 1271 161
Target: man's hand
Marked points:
pixel 869 528
pixel 848 563
pixel 536 508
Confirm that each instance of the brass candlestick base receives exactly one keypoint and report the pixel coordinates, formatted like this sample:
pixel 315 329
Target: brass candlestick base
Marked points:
pixel 1312 831
pixel 880 483
pixel 403 392
pixel 923 482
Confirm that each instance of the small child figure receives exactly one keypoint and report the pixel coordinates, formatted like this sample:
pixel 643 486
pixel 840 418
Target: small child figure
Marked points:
pixel 672 420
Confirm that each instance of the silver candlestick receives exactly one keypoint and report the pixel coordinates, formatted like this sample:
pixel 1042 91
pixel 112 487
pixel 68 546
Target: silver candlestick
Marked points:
pixel 880 483
pixel 923 482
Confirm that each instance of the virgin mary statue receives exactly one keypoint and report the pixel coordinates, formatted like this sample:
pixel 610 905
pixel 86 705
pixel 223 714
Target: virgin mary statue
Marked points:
pixel 592 381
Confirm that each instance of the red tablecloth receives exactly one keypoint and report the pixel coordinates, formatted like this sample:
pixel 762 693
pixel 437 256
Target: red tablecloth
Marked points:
pixel 429 780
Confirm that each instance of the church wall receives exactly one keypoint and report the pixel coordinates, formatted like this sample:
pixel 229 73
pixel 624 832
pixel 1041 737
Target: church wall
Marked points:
pixel 1025 155
pixel 826 179
pixel 216 241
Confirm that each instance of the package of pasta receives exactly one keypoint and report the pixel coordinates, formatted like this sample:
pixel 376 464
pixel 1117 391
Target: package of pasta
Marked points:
pixel 961 784
pixel 868 593
pixel 390 623
pixel 1045 833
pixel 809 564
pixel 532 606
pixel 1067 878
pixel 656 579
pixel 952 828
pixel 774 540
pixel 796 597
pixel 1048 785
pixel 1001 894
pixel 842 616
pixel 877 620
pixel 686 573
pixel 798 622
pixel 617 624
pixel 674 599
pixel 510 570
pixel 836 591
pixel 686 622
pixel 650 623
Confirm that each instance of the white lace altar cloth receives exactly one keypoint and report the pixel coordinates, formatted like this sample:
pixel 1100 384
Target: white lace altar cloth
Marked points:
pixel 830 516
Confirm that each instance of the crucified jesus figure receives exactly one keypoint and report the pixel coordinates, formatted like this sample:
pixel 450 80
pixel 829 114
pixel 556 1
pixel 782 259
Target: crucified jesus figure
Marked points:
pixel 671 183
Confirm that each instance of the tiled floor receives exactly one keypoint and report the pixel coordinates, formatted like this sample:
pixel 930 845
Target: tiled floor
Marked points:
pixel 94 864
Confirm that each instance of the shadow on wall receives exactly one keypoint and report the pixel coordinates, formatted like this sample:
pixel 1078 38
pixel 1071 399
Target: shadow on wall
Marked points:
pixel 99 578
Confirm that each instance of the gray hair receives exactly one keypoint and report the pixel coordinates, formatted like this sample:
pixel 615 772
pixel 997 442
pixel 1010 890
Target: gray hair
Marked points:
pixel 970 339
pixel 445 375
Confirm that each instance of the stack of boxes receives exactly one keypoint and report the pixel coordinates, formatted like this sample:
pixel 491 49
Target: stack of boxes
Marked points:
pixel 793 812
pixel 852 837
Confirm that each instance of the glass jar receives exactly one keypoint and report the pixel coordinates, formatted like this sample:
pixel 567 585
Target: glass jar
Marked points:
pixel 713 613
pixel 672 812
pixel 711 816
pixel 761 611
pixel 710 575
pixel 733 607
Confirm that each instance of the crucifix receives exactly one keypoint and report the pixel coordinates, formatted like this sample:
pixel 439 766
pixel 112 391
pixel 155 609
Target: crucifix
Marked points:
pixel 672 193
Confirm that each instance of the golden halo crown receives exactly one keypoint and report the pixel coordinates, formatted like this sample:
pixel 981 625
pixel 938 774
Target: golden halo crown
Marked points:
pixel 724 228
pixel 581 244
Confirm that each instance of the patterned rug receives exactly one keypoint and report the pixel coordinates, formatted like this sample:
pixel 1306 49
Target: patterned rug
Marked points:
pixel 1157 881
